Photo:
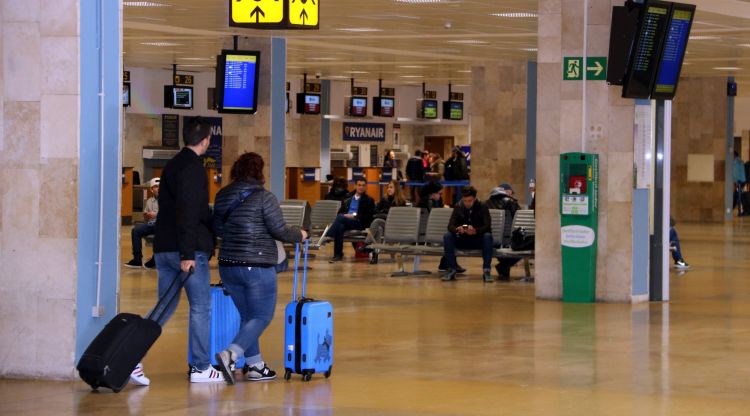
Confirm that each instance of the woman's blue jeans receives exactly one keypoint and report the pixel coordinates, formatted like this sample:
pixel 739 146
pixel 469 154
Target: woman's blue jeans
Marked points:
pixel 253 290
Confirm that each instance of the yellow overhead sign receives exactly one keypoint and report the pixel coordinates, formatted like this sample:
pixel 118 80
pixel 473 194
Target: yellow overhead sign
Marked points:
pixel 257 11
pixel 303 12
pixel 274 14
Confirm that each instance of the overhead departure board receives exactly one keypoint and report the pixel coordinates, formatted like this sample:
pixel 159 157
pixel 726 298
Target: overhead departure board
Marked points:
pixel 670 63
pixel 648 47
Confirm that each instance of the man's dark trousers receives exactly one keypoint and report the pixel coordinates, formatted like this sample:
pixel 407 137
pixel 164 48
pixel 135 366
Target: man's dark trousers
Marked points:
pixel 468 242
pixel 339 227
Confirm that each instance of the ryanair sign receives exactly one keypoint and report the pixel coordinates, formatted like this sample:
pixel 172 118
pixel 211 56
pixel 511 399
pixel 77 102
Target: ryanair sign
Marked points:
pixel 364 132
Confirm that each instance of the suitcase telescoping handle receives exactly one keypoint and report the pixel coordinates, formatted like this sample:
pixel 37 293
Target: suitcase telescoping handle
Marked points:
pixel 296 271
pixel 160 305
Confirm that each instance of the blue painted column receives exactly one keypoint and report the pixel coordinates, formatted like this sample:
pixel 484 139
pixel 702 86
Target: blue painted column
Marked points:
pixel 531 91
pixel 278 117
pixel 99 169
pixel 325 130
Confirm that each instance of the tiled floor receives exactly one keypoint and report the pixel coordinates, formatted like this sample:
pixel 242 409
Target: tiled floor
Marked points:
pixel 418 346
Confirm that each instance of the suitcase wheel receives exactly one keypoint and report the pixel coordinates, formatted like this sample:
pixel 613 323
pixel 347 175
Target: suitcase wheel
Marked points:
pixel 328 373
pixel 287 374
pixel 306 377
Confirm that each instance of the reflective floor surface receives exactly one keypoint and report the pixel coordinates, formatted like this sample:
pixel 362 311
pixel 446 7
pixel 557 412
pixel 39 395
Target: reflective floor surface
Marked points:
pixel 418 346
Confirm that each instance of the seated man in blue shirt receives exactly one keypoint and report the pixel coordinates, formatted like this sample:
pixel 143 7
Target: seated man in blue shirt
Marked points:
pixel 355 214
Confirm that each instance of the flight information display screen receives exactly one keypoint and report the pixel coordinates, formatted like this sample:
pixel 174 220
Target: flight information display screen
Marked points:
pixel 238 81
pixel 670 64
pixel 649 42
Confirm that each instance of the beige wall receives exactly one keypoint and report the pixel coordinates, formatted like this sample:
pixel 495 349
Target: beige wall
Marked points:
pixel 498 126
pixel 39 93
pixel 611 119
pixel 699 125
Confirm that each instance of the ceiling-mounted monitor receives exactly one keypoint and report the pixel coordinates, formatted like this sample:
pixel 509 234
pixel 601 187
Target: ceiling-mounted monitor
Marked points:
pixel 383 106
pixel 237 74
pixel 453 110
pixel 358 106
pixel 428 108
pixel 308 103
pixel 670 62
pixel 649 42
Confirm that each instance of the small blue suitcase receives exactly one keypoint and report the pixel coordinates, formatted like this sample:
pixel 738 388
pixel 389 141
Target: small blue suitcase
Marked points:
pixel 308 331
pixel 225 323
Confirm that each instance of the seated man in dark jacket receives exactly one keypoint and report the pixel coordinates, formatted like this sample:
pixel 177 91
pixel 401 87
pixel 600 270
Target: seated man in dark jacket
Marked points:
pixel 355 214
pixel 468 228
pixel 502 198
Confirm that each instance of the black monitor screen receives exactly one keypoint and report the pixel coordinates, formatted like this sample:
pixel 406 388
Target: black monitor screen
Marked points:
pixel 384 106
pixel 621 37
pixel 237 75
pixel 648 45
pixel 429 108
pixel 182 97
pixel 308 103
pixel 126 94
pixel 670 63
pixel 358 106
pixel 453 110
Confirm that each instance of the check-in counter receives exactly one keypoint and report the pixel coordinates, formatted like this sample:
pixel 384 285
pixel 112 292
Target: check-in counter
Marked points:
pixel 304 183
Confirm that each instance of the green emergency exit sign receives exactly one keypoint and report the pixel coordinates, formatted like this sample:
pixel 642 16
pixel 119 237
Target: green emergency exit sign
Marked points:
pixel 596 68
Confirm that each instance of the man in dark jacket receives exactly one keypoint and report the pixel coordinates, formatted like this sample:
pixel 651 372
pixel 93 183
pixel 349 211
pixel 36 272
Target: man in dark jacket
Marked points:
pixel 415 172
pixel 184 241
pixel 502 198
pixel 355 214
pixel 468 228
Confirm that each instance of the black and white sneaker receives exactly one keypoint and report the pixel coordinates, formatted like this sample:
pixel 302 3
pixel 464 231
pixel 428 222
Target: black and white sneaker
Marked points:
pixel 258 374
pixel 681 265
pixel 134 264
pixel 226 365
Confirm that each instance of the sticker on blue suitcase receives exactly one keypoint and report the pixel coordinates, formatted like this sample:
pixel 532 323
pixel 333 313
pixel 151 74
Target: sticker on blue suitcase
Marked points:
pixel 324 348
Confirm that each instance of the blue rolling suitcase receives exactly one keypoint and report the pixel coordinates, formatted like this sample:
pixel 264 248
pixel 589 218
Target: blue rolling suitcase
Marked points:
pixel 308 331
pixel 225 323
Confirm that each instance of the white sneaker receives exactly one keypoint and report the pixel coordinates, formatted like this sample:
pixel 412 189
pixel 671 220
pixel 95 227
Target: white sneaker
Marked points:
pixel 138 378
pixel 681 265
pixel 209 375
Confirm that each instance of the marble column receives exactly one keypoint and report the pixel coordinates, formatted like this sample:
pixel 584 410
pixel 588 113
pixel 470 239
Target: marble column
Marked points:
pixel 608 132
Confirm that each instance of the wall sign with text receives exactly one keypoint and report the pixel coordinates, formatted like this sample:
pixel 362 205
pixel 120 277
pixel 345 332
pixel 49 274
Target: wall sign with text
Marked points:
pixel 364 132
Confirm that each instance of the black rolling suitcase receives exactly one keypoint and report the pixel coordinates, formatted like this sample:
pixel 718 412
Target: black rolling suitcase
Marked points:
pixel 122 344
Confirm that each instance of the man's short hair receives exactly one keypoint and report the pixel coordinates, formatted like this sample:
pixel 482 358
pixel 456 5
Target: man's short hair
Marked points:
pixel 360 179
pixel 195 130
pixel 468 191
pixel 418 153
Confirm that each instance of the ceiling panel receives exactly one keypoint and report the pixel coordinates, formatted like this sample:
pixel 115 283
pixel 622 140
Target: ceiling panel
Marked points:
pixel 401 42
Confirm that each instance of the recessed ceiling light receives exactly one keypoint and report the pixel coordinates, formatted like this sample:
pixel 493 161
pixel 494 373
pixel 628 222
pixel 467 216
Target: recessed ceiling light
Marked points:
pixel 469 42
pixel 412 66
pixel 411 76
pixel 515 15
pixel 703 37
pixel 529 49
pixel 420 1
pixel 358 72
pixel 727 68
pixel 144 4
pixel 465 71
pixel 359 29
pixel 744 45
pixel 162 44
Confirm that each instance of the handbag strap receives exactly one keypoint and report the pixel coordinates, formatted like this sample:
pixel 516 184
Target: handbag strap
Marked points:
pixel 237 202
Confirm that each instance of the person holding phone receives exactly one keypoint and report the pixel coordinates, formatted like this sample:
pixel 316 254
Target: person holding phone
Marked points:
pixel 469 228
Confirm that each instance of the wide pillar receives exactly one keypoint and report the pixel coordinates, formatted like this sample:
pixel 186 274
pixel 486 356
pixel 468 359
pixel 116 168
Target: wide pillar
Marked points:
pixel 607 130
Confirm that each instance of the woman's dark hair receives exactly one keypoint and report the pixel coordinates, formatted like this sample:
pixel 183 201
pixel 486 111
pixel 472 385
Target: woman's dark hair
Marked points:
pixel 387 155
pixel 248 166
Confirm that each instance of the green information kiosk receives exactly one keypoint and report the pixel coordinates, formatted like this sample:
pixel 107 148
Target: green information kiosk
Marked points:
pixel 579 222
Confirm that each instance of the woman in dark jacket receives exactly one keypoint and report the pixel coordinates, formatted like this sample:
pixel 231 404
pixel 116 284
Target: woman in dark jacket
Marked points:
pixel 249 221
pixel 394 198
